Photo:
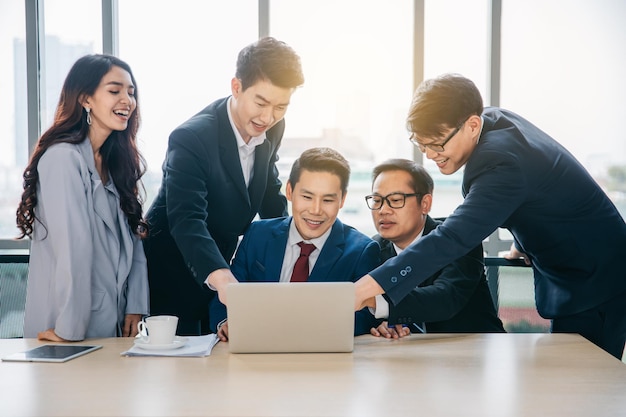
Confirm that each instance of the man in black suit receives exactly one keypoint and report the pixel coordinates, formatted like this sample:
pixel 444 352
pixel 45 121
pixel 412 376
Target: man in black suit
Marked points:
pixel 219 173
pixel 456 298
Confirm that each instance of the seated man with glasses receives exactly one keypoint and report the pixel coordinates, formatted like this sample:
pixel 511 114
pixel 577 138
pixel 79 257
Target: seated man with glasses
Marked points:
pixel 455 299
pixel 312 239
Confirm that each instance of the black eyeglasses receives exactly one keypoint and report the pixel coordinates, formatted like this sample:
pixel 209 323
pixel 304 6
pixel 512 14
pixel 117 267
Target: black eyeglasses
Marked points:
pixel 437 147
pixel 394 200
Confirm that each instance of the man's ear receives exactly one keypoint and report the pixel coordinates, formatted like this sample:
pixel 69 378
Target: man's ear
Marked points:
pixel 474 122
pixel 426 204
pixel 288 190
pixel 343 198
pixel 235 87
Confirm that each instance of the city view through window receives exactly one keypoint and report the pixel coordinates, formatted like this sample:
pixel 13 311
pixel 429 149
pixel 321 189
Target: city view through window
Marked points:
pixel 358 63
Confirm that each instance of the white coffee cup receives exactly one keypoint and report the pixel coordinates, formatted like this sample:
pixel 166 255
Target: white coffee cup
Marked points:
pixel 158 330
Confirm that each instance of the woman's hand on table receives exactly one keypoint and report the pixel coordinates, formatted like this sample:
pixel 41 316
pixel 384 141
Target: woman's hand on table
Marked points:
pixel 51 336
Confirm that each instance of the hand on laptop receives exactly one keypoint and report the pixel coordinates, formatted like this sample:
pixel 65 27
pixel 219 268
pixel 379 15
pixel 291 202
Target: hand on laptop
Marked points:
pixel 393 332
pixel 222 331
pixel 366 288
pixel 218 280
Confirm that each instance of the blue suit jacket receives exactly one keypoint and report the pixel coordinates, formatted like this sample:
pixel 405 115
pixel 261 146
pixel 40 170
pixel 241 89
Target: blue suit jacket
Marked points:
pixel 203 206
pixel 520 178
pixel 347 255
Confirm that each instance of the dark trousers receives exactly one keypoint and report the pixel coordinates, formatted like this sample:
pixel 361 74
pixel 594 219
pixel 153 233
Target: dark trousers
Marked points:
pixel 190 327
pixel 173 290
pixel 604 325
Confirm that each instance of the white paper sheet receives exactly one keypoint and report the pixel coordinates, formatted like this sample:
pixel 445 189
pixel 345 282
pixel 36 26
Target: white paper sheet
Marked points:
pixel 196 346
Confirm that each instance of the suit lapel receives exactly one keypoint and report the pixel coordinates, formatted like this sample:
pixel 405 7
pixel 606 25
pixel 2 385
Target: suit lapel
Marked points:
pixel 429 225
pixel 386 250
pixel 275 250
pixel 229 154
pixel 98 193
pixel 256 190
pixel 331 252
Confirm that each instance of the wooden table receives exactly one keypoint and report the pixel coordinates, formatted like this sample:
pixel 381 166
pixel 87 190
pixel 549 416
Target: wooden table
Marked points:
pixel 423 375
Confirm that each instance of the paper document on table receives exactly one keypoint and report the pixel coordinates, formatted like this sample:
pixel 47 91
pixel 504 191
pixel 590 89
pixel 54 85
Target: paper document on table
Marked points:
pixel 194 346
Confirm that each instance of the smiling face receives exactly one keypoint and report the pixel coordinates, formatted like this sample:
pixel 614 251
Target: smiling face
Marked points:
pixel 315 202
pixel 458 149
pixel 111 104
pixel 400 226
pixel 259 107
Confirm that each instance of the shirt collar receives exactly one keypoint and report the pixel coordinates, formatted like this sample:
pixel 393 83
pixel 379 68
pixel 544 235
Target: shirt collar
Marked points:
pixel 295 237
pixel 482 124
pixel 399 251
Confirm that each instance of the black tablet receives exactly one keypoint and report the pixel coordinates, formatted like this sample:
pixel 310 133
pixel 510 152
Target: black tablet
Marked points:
pixel 51 353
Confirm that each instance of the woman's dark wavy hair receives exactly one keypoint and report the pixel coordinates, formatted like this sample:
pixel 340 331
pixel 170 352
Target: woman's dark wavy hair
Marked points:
pixel 120 156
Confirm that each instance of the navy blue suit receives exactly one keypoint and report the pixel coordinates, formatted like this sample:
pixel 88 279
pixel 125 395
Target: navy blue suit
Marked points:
pixel 521 179
pixel 347 255
pixel 455 299
pixel 203 206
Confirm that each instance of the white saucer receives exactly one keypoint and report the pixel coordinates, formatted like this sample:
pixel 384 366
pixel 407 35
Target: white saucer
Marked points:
pixel 143 343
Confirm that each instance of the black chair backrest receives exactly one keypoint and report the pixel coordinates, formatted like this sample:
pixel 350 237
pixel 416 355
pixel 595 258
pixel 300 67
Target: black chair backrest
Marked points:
pixel 13 278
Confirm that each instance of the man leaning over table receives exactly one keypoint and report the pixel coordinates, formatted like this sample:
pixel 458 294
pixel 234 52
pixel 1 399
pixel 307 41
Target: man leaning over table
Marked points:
pixel 455 299
pixel 269 251
pixel 516 177
pixel 219 173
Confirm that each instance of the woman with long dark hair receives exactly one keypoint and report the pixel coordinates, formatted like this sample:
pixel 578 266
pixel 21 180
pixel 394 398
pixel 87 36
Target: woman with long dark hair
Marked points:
pixel 82 209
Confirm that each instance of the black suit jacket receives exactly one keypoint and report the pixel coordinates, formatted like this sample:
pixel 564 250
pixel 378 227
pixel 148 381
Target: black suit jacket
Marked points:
pixel 455 299
pixel 203 206
pixel 521 179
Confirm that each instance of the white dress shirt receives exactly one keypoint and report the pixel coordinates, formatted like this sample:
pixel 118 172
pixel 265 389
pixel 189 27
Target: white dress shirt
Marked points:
pixel 292 251
pixel 246 150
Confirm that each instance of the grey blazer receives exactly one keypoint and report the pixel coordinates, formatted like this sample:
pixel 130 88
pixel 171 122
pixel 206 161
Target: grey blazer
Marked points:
pixel 87 270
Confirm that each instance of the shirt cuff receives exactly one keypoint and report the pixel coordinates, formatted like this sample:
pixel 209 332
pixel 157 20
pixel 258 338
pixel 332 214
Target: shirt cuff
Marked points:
pixel 382 308
pixel 206 282
pixel 220 324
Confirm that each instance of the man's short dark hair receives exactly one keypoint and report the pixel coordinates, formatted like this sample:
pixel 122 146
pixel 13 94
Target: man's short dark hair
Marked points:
pixel 421 181
pixel 272 60
pixel 321 160
pixel 442 103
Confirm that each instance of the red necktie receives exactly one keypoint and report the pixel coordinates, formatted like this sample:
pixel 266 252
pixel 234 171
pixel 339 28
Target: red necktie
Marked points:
pixel 301 268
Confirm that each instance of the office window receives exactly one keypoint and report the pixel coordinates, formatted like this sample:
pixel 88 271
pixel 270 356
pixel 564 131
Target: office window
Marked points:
pixel 357 58
pixel 183 55
pixel 456 40
pixel 456 36
pixel 563 69
pixel 67 38
pixel 13 123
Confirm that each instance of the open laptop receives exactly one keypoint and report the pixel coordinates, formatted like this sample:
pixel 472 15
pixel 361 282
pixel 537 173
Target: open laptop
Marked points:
pixel 311 317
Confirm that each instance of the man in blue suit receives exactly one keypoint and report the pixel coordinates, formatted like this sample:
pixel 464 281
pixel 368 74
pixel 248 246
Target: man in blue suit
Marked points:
pixel 455 299
pixel 219 172
pixel 269 251
pixel 519 178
